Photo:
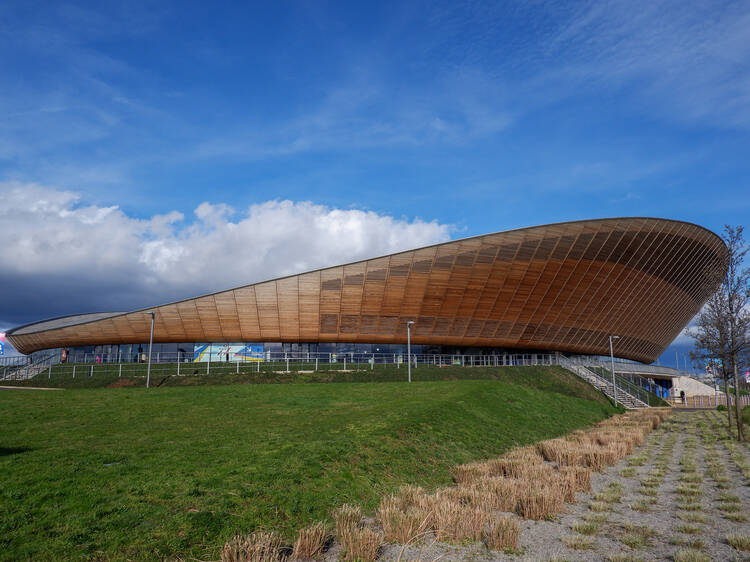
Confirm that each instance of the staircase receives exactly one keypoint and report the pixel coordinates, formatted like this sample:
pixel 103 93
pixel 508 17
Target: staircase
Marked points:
pixel 605 385
pixel 27 370
pixel 23 372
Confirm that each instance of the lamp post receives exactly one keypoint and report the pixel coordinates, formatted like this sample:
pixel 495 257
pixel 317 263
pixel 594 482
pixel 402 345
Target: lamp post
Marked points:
pixel 612 358
pixel 408 345
pixel 150 344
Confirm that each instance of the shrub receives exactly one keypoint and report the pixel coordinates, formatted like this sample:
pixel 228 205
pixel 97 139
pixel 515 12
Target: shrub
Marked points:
pixel 346 517
pixel 260 546
pixel 502 533
pixel 402 526
pixel 740 542
pixel 586 528
pixel 360 544
pixel 310 542
pixel 689 555
pixel 540 501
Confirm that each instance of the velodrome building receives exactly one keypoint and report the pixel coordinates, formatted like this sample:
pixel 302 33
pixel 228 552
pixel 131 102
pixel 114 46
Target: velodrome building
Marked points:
pixel 560 287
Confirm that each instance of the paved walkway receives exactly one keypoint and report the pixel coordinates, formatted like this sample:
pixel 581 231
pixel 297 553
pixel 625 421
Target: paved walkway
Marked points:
pixel 27 388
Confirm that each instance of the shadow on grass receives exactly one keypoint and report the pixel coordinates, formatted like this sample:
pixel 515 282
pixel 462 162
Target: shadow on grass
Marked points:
pixel 5 451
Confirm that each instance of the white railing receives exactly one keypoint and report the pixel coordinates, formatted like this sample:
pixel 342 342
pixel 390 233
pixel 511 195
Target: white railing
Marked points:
pixel 180 364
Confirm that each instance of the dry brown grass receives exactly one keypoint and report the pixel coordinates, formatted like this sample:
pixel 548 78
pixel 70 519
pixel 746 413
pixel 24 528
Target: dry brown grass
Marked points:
pixel 520 481
pixel 470 472
pixel 347 517
pixel 360 544
pixel 540 501
pixel 454 521
pixel 740 542
pixel 560 451
pixel 581 477
pixel 403 524
pixel 502 533
pixel 498 493
pixel 261 546
pixel 310 542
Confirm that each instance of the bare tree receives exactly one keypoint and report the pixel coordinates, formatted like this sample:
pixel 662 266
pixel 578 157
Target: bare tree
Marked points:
pixel 722 329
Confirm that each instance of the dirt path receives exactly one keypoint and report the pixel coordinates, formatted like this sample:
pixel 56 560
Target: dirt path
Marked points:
pixel 677 497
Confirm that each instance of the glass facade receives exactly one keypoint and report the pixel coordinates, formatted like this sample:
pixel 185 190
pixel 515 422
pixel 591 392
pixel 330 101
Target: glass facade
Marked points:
pixel 197 351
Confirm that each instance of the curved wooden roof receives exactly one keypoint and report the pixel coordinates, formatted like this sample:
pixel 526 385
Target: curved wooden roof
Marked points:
pixel 563 287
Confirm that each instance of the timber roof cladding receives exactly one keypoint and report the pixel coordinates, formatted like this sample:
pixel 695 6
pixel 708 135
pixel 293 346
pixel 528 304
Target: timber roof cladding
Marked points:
pixel 563 287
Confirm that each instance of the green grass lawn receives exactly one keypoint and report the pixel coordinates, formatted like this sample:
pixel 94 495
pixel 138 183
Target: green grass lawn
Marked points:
pixel 174 471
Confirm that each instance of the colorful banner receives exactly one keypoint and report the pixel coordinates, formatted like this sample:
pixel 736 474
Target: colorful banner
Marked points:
pixel 217 352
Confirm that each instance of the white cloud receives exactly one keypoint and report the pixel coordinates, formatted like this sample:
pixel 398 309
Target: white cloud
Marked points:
pixel 62 247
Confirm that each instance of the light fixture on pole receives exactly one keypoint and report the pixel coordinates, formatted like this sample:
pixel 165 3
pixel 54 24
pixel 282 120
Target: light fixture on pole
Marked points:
pixel 150 344
pixel 612 358
pixel 408 345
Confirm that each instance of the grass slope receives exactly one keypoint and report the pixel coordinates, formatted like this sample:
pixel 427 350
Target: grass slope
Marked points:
pixel 107 376
pixel 136 474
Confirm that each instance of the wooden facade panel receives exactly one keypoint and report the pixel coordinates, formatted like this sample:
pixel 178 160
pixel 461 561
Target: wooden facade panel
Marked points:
pixel 331 283
pixel 268 310
pixel 309 306
pixel 247 313
pixel 191 321
pixel 288 308
pixel 565 286
pixel 226 307
pixel 351 293
pixel 376 275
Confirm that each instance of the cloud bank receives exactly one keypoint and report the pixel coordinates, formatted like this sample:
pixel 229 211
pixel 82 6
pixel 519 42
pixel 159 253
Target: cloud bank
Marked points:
pixel 62 256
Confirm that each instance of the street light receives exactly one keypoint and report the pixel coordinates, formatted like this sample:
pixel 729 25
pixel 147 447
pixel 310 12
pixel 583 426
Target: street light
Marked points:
pixel 408 345
pixel 612 358
pixel 150 344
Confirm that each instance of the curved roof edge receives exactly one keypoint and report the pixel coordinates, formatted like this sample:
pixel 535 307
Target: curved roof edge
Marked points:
pixel 41 324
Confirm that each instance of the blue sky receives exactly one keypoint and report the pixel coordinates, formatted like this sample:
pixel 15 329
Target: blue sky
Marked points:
pixel 471 118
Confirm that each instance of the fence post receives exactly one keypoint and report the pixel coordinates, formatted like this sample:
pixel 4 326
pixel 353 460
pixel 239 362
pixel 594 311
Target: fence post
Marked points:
pixel 237 363
pixel 208 366
pixel 49 374
pixel 119 371
pixel 74 371
pixel 259 365
pixel 91 374
pixel 316 363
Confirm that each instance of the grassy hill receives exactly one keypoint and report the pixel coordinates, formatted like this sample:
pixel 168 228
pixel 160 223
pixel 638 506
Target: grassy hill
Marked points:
pixel 174 471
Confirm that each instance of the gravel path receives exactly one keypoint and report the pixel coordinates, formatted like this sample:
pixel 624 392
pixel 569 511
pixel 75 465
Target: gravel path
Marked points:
pixel 677 497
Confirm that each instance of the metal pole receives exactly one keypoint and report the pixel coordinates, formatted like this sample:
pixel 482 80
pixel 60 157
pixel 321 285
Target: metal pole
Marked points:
pixel 408 345
pixel 119 374
pixel 150 344
pixel 612 358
